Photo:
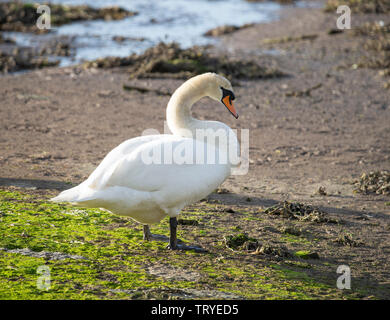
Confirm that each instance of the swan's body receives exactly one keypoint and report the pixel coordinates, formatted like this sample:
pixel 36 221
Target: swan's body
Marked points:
pixel 125 184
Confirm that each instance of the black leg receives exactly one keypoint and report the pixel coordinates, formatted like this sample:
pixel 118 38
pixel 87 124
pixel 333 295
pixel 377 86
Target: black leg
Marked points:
pixel 174 243
pixel 147 234
pixel 172 239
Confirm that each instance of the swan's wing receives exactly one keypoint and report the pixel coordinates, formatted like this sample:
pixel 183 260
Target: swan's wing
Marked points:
pixel 128 178
pixel 99 176
pixel 177 177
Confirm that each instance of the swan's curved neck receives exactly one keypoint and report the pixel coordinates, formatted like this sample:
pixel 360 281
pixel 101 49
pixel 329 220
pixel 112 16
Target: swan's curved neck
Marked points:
pixel 179 117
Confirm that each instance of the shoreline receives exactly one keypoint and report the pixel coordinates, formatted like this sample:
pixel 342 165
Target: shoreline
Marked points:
pixel 45 47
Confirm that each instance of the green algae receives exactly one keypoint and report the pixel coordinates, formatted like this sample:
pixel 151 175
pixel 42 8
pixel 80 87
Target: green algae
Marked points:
pixel 306 254
pixel 116 263
pixel 295 239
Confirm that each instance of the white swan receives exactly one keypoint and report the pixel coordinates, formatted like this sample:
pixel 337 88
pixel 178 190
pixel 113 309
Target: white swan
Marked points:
pixel 126 183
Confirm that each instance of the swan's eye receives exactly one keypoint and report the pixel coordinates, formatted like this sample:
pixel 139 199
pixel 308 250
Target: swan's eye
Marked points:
pixel 226 92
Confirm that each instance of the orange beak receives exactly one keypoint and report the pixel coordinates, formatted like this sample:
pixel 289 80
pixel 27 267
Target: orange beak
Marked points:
pixel 229 104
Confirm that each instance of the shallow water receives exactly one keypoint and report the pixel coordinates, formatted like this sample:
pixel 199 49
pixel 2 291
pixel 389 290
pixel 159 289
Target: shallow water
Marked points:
pixel 182 21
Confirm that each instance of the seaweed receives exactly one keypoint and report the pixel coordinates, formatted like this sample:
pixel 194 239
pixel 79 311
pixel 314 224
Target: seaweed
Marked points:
pixel 303 93
pixel 299 211
pixel 170 61
pixel 227 29
pixel 146 90
pixel 290 39
pixel 276 251
pixel 241 241
pixel 377 182
pixel 347 239
pixel 16 16
pixel 377 46
pixel 11 63
pixel 360 6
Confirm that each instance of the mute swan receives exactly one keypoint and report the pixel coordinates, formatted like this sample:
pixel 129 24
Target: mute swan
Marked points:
pixel 125 184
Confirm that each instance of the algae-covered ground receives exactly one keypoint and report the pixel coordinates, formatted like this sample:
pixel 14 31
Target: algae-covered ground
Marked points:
pixel 93 254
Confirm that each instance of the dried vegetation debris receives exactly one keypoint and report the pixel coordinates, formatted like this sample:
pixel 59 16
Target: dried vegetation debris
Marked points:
pixel 377 46
pixel 16 62
pixel 242 242
pixel 171 61
pixel 23 17
pixel 322 191
pixel 278 1
pixel 226 29
pixel 290 39
pixel 222 191
pixel 300 211
pixel 372 29
pixel 377 182
pixel 360 6
pixel 376 35
pixel 130 87
pixel 303 93
pixel 17 58
pixel 291 230
pixel 347 239
pixel 271 250
pixel 18 16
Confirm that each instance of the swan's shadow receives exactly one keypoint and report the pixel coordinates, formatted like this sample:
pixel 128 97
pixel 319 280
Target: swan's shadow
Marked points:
pixel 180 243
pixel 35 183
pixel 227 198
pixel 241 200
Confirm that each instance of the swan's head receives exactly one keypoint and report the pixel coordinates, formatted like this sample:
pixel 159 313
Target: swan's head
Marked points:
pixel 220 89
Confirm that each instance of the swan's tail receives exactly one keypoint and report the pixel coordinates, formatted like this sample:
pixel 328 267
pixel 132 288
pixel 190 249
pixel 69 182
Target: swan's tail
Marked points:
pixel 78 194
pixel 69 195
